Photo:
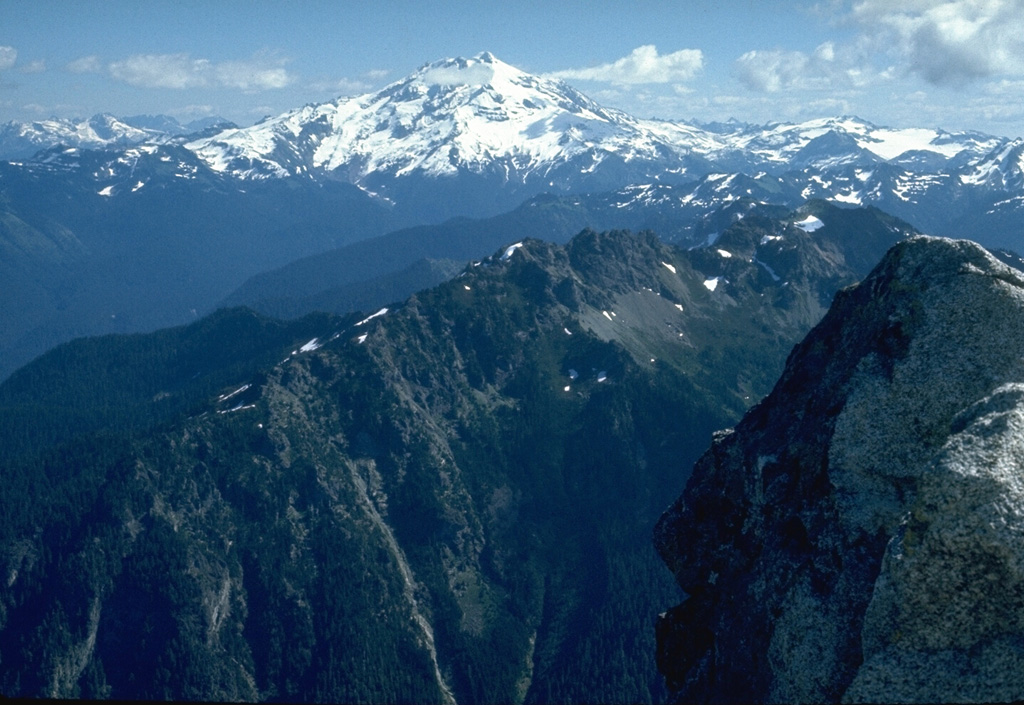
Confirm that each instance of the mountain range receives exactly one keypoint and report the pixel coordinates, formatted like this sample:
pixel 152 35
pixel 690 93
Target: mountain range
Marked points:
pixel 503 135
pixel 121 225
pixel 22 140
pixel 445 500
pixel 438 357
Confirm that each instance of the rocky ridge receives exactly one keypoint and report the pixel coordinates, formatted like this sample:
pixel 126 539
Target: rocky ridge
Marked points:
pixel 857 536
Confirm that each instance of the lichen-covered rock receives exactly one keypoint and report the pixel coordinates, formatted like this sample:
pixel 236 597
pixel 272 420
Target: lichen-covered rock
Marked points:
pixel 947 616
pixel 859 535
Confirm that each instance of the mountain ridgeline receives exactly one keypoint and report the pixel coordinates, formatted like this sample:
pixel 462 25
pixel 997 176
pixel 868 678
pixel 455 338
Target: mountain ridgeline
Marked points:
pixel 450 499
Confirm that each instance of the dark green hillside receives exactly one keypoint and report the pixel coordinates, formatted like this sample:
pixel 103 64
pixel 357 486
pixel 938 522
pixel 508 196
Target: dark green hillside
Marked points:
pixel 134 382
pixel 450 500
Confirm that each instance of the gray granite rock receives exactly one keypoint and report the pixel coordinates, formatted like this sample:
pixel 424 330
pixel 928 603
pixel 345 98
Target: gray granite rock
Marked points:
pixel 859 535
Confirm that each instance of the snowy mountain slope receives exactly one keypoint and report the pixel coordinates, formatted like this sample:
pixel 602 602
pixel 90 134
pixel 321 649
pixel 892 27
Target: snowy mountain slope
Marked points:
pixel 479 116
pixel 487 135
pixel 477 137
pixel 21 140
pixel 779 144
pixel 1002 168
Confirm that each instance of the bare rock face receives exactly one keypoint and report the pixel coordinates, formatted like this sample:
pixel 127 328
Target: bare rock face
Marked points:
pixel 859 536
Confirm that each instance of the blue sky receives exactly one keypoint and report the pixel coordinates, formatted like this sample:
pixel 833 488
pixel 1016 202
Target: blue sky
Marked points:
pixel 955 64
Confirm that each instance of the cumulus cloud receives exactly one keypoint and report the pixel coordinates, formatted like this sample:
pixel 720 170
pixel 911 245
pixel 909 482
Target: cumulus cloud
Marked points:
pixel 339 86
pixel 952 42
pixel 349 86
pixel 194 110
pixel 8 55
pixel 181 71
pixel 827 67
pixel 642 65
pixel 769 71
pixel 161 71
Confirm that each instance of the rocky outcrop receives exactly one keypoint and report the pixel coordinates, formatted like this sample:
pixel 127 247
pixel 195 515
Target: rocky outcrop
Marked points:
pixel 859 536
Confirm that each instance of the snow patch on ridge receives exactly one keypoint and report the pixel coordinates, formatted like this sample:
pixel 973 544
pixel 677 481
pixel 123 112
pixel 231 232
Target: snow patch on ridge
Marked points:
pixel 511 249
pixel 372 316
pixel 809 224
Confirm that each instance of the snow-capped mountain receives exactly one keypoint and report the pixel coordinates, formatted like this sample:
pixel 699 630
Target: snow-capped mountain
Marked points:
pixel 21 140
pixel 843 140
pixel 477 137
pixel 477 117
pixel 482 115
pixel 1002 168
pixel 488 135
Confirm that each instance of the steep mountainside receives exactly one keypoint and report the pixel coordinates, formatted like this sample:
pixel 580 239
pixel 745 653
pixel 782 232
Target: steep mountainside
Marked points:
pixel 856 537
pixel 449 499
pixel 362 274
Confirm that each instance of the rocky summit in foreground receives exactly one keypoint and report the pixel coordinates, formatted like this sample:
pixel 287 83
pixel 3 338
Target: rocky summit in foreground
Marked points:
pixel 859 536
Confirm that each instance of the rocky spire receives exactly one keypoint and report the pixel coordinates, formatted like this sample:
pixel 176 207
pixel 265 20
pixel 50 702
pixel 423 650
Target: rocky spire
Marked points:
pixel 857 536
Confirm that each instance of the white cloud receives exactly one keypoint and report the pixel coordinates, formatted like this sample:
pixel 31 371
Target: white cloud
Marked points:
pixel 195 110
pixel 86 64
pixel 341 86
pixel 37 66
pixel 642 65
pixel 944 42
pixel 770 71
pixel 952 42
pixel 181 71
pixel 8 55
pixel 608 96
pixel 251 75
pixel 161 71
pixel 827 67
pixel 470 75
